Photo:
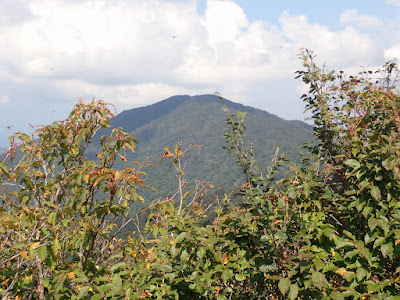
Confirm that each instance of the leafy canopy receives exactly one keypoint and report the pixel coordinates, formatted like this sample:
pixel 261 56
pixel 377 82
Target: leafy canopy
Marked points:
pixel 330 229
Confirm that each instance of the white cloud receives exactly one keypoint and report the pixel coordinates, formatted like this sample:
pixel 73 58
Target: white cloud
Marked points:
pixel 131 42
pixel 343 48
pixel 125 95
pixel 135 52
pixel 393 2
pixel 96 40
pixel 224 21
pixel 351 16
pixel 392 53
pixel 13 12
pixel 4 99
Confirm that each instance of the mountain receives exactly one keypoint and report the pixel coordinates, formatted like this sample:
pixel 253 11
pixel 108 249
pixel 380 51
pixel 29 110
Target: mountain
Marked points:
pixel 200 120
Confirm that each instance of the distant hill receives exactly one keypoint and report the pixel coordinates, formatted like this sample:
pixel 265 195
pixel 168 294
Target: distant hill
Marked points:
pixel 200 120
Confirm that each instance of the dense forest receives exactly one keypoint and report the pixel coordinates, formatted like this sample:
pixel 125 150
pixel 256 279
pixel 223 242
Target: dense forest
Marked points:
pixel 198 122
pixel 328 227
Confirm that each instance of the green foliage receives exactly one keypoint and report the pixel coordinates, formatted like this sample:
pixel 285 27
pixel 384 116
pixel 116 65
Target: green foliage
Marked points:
pixel 330 229
pixel 199 120
pixel 357 123
pixel 57 234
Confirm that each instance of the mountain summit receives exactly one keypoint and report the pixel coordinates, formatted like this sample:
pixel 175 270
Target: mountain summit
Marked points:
pixel 200 120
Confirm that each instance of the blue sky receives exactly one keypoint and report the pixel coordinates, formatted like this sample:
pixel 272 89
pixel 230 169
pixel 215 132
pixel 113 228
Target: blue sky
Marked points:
pixel 323 12
pixel 137 52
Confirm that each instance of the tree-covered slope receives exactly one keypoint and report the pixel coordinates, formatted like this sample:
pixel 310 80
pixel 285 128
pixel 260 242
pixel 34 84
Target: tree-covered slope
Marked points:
pixel 200 120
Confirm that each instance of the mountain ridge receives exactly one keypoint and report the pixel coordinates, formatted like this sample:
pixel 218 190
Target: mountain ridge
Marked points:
pixel 200 120
pixel 172 102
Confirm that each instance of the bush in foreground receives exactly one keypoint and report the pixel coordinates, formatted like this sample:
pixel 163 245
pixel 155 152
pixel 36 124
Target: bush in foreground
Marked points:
pixel 329 230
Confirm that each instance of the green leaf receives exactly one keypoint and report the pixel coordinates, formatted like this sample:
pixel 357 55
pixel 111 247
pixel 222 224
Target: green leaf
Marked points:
pixel 226 275
pixel 360 273
pixel 51 204
pixel 83 292
pixel 187 194
pixel 31 253
pixel 52 218
pixel 372 223
pixel 42 252
pixel 117 282
pixel 379 241
pixel 51 261
pixel 184 255
pixel 201 252
pixel 364 251
pixel 352 163
pixel 284 285
pixel 118 266
pixel 375 193
pixel 240 277
pixel 318 279
pixel 19 245
pixel 4 169
pixel 387 249
pixel 366 211
pixel 307 191
pixel 344 243
pixel 181 237
pixel 388 163
pixel 55 246
pixel 336 295
pixel 104 288
pixel 46 282
pixel 293 292
pixel 373 287
pixel 349 276
pixel 351 254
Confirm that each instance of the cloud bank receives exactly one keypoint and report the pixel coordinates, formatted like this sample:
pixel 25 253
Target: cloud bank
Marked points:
pixel 134 53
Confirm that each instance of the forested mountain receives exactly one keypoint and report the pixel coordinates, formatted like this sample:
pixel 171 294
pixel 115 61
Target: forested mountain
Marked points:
pixel 68 223
pixel 200 120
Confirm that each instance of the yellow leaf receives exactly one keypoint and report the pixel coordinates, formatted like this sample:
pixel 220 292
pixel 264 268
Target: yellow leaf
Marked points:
pixel 24 254
pixel 26 210
pixel 225 258
pixel 148 266
pixel 40 174
pixel 134 254
pixel 35 244
pixel 341 271
pixel 151 256
pixel 18 297
pixel 71 275
pixel 111 247
pixel 86 178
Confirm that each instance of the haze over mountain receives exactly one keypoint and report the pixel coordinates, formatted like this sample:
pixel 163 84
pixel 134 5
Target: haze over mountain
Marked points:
pixel 200 120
